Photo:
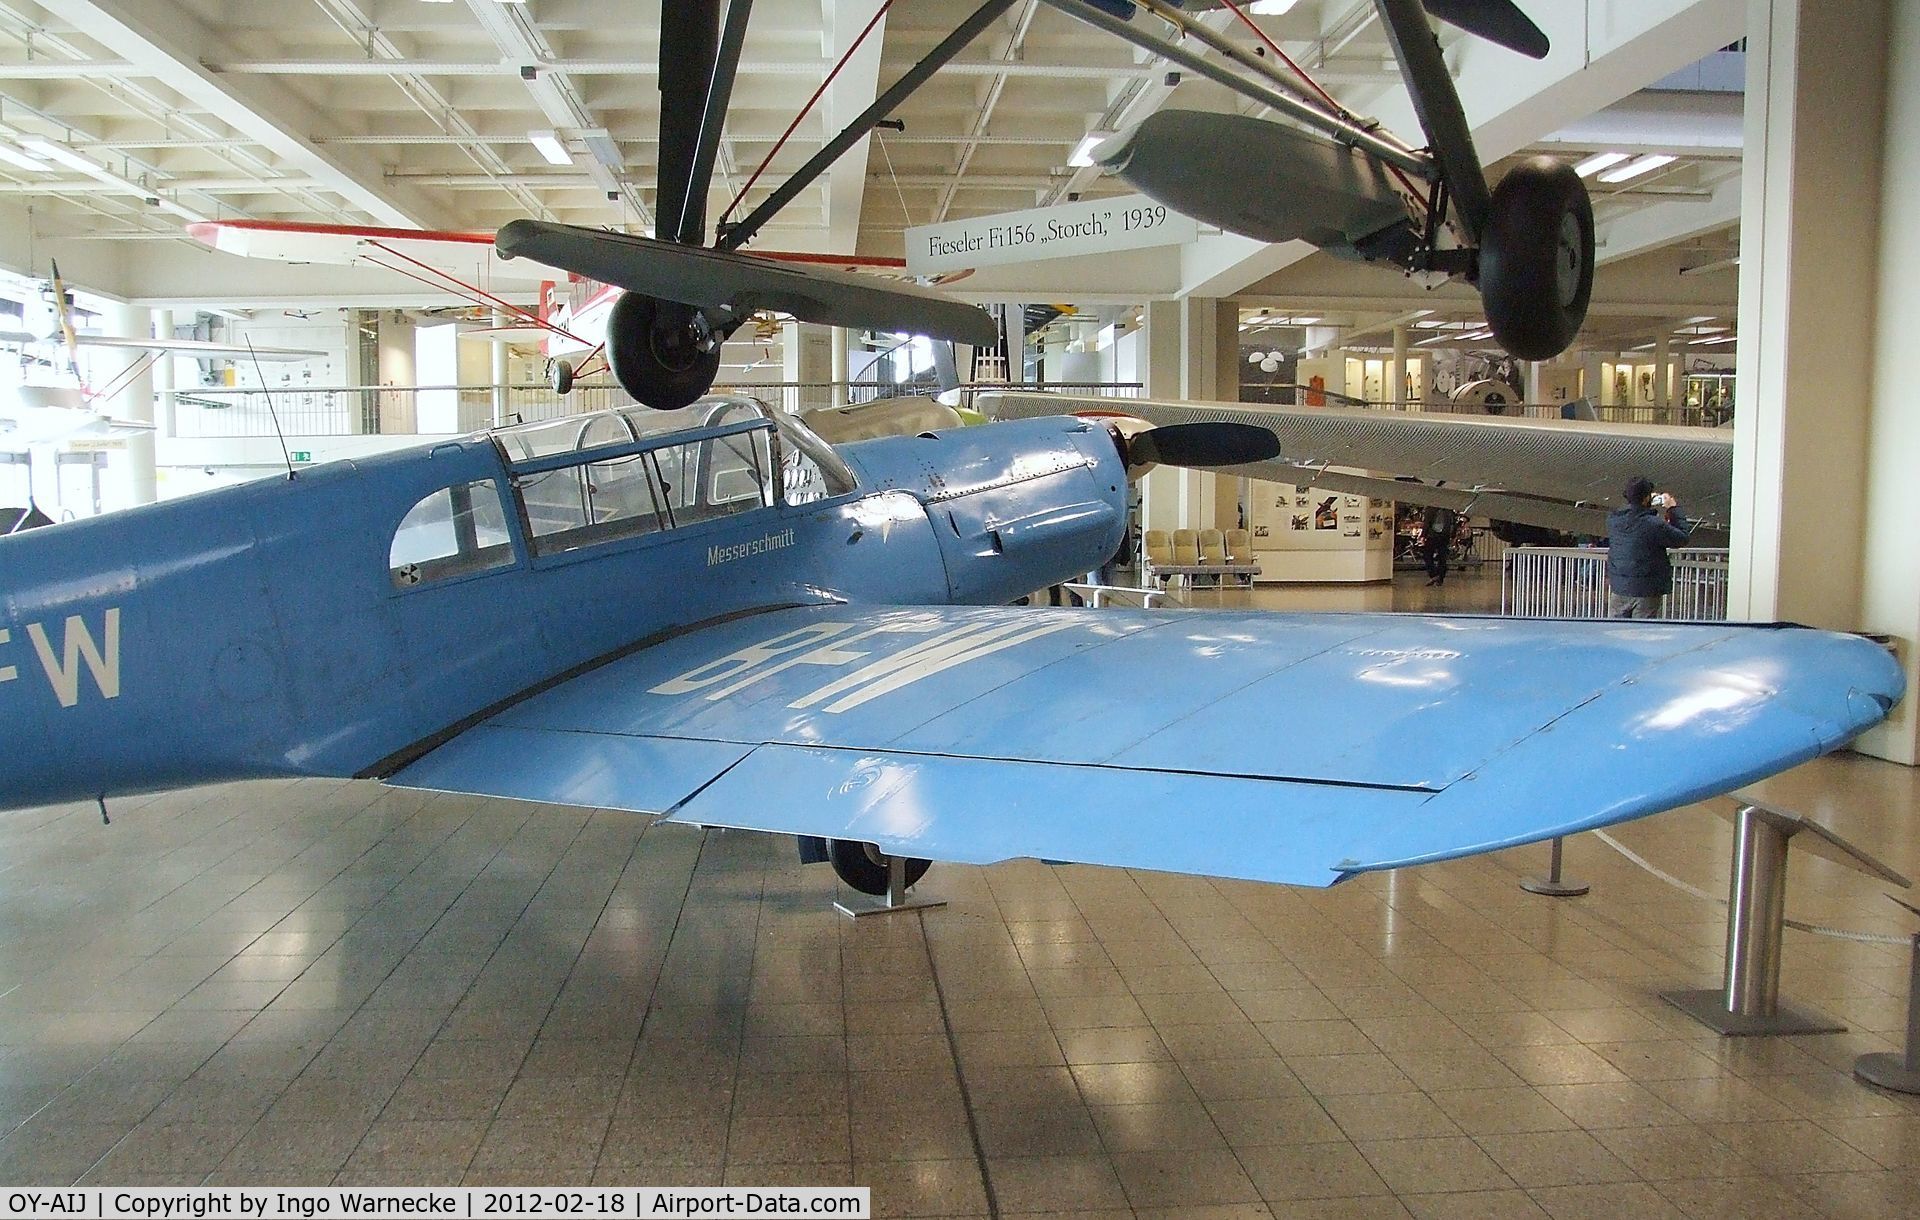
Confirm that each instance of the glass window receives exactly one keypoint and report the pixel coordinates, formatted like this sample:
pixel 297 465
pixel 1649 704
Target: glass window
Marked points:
pixel 453 532
pixel 809 468
pixel 595 502
pixel 717 477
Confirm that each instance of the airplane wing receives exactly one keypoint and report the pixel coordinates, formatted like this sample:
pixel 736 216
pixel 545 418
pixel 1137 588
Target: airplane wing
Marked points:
pixel 1294 748
pixel 1564 474
pixel 199 348
pixel 745 282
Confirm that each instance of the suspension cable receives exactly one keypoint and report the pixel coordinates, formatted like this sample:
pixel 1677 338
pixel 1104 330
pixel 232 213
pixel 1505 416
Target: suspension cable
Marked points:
pixel 804 110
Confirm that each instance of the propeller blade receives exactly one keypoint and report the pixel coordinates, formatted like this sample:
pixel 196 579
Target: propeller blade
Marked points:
pixel 1203 444
pixel 1498 21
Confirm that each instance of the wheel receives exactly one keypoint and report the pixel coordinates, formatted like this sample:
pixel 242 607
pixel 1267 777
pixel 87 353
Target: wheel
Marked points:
pixel 864 866
pixel 560 376
pixel 1536 258
pixel 661 352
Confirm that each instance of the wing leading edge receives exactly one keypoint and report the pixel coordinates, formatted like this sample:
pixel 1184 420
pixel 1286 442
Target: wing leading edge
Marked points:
pixel 1294 748
pixel 742 282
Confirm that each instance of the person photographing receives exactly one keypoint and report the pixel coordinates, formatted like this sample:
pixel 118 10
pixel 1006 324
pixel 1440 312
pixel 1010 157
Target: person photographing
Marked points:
pixel 1639 535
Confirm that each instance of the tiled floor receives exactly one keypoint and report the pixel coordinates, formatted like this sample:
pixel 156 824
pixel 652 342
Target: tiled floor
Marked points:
pixel 314 982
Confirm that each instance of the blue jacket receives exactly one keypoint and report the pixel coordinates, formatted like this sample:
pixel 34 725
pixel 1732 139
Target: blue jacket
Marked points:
pixel 1637 543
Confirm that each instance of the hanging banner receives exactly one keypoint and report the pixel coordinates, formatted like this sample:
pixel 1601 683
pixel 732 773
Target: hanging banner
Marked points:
pixel 1095 226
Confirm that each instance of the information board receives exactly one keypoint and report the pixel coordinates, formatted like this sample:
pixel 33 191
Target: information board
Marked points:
pixel 1095 226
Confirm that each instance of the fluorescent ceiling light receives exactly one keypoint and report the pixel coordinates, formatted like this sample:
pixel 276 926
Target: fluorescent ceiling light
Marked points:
pixel 1597 162
pixel 1083 154
pixel 13 156
pixel 1636 167
pixel 550 147
pixel 601 144
pixel 1307 321
pixel 1271 8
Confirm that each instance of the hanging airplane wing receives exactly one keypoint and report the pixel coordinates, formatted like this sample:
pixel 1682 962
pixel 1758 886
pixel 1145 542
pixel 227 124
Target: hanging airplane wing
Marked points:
pixel 1563 474
pixel 1295 748
pixel 743 283
pixel 197 348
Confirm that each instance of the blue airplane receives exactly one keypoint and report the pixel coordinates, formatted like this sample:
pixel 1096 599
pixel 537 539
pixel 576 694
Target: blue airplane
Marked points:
pixel 711 614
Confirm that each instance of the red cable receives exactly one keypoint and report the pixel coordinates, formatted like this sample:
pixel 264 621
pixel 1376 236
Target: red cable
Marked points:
pixel 478 296
pixel 817 93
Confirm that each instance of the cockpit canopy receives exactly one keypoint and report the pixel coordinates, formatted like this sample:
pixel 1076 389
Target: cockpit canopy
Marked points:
pixel 586 479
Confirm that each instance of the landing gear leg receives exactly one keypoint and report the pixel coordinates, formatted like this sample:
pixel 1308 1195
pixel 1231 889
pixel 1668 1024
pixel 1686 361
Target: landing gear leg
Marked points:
pixel 871 871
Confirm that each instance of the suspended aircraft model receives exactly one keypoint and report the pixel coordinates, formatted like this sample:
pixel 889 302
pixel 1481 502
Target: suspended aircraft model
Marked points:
pixel 713 615
pixel 1339 181
pixel 44 414
pixel 1558 474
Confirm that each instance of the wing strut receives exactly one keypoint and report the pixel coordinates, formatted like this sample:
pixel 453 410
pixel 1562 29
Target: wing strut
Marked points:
pixel 689 47
pixel 691 230
pixel 733 236
pixel 1442 118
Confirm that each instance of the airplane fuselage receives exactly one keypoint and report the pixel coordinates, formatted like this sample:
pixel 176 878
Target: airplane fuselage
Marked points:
pixel 285 628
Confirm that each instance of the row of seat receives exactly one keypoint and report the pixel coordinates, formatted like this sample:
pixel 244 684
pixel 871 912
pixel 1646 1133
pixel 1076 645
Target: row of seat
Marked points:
pixel 1190 553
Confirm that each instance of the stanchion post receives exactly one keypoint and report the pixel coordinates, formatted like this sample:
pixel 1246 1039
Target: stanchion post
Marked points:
pixel 1900 1073
pixel 1554 885
pixel 1748 1003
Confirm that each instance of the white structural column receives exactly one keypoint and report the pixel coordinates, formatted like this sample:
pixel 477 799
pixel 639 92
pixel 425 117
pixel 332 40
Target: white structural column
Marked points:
pixel 133 401
pixel 1890 596
pixel 1191 349
pixel 1663 378
pixel 1397 382
pixel 806 356
pixel 163 375
pixel 1808 257
pixel 498 367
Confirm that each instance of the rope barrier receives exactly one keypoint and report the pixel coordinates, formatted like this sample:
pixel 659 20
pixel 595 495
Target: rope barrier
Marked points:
pixel 1635 858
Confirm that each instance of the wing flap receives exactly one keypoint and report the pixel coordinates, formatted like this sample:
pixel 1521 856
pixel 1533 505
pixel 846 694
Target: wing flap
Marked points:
pixel 1294 748
pixel 980 811
pixel 597 770
pixel 714 278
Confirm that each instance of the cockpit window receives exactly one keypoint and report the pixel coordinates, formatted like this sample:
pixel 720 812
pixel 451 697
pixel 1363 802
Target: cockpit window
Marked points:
pixel 578 505
pixel 662 481
pixel 455 531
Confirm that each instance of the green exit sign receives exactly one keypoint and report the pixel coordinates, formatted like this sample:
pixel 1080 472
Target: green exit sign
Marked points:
pixel 302 455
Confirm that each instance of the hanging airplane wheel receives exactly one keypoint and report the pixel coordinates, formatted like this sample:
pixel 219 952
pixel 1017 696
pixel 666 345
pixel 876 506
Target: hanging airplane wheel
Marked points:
pixel 864 866
pixel 658 351
pixel 560 376
pixel 1536 258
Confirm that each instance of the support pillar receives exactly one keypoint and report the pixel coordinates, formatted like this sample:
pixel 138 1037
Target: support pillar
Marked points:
pixel 134 402
pixel 1890 599
pixel 806 356
pixel 1810 213
pixel 1663 379
pixel 497 354
pixel 842 364
pixel 167 406
pixel 1397 380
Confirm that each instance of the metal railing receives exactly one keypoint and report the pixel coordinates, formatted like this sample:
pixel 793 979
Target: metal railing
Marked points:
pixel 1571 582
pixel 220 412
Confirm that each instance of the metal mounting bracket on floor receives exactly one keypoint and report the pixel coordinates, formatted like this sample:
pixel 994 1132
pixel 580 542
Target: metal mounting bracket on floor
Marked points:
pixel 894 900
pixel 1900 1072
pixel 1748 1004
pixel 1554 885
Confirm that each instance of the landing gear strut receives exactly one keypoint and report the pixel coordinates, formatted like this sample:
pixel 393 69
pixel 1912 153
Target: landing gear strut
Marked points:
pixel 869 870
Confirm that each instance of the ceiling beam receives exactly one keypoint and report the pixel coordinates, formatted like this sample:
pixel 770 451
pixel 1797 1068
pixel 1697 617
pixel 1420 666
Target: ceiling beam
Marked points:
pixel 165 41
pixel 855 89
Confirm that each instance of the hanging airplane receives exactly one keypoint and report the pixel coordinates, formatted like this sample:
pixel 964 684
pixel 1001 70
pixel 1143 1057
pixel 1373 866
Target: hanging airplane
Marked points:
pixel 33 414
pixel 1352 189
pixel 715 616
pixel 1558 474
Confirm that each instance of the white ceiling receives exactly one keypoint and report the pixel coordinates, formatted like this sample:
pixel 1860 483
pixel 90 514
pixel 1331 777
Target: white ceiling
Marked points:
pixel 418 112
